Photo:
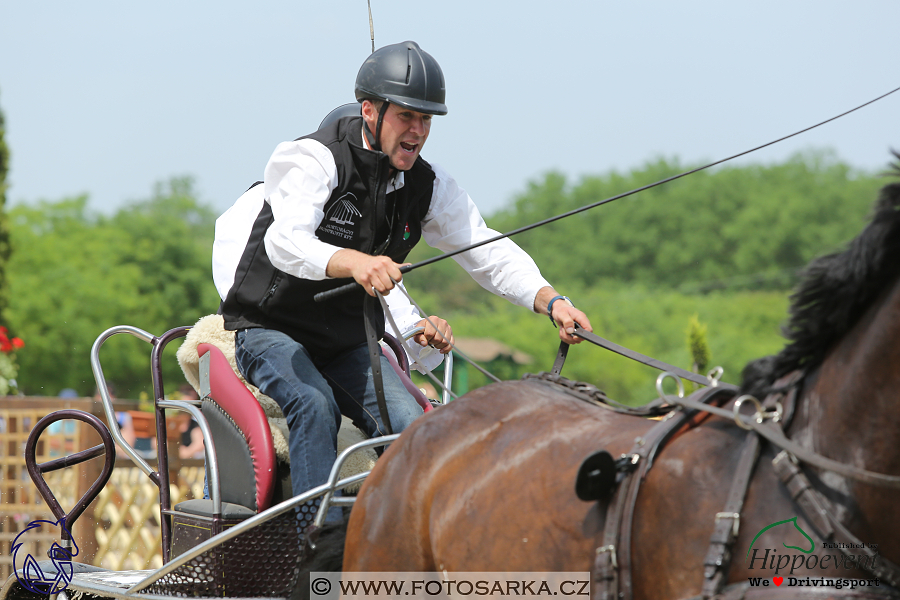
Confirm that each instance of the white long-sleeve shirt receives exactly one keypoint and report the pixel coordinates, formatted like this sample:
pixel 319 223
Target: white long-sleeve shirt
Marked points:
pixel 299 179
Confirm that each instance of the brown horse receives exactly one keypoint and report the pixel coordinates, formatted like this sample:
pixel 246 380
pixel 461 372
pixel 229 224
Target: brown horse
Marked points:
pixel 487 483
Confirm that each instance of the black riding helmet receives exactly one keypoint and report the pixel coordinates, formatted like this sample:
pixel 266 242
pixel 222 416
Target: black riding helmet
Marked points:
pixel 401 74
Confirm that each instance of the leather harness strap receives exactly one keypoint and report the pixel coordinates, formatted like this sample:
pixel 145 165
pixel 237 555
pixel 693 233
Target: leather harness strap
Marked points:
pixel 375 359
pixel 777 438
pixel 612 562
pixel 560 358
pixel 819 511
pixel 727 523
pixel 641 358
pixel 611 573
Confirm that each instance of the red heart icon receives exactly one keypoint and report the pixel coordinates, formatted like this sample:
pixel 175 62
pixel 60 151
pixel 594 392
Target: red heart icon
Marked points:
pixel 778 580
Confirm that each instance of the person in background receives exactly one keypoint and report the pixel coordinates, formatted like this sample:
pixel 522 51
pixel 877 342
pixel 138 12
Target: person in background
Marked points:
pixel 123 419
pixel 191 436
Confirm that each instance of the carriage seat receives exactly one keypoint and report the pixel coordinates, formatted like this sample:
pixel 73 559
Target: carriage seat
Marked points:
pixel 250 478
pixel 241 433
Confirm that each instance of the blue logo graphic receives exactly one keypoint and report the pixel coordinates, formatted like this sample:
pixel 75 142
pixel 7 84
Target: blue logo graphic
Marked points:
pixel 30 574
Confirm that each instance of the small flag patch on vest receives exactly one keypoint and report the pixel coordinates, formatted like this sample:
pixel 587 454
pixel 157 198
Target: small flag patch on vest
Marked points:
pixel 406 232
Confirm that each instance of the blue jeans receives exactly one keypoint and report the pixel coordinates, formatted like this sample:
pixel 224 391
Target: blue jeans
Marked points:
pixel 313 393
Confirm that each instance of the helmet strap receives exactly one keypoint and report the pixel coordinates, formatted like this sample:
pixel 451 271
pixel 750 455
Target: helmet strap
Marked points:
pixel 375 141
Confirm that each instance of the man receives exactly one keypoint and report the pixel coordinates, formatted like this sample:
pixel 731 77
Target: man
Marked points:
pixel 350 201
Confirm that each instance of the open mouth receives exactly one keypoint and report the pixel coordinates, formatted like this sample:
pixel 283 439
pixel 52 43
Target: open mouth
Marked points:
pixel 408 148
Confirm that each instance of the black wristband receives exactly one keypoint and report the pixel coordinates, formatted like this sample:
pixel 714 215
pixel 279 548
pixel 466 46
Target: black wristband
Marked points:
pixel 550 307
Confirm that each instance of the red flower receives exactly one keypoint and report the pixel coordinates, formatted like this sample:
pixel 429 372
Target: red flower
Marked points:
pixel 17 343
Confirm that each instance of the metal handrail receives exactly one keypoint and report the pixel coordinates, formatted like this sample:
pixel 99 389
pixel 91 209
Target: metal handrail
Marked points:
pixel 212 461
pixel 105 398
pixel 448 364
pixel 159 477
pixel 336 471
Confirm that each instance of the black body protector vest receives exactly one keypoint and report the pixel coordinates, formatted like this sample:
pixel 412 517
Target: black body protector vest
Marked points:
pixel 358 215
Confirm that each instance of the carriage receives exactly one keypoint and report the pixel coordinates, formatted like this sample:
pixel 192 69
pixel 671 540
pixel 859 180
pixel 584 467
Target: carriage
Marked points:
pixel 248 526
pixel 787 488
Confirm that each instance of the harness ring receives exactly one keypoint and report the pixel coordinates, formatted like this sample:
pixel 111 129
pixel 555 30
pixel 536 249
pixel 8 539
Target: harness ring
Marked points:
pixel 662 377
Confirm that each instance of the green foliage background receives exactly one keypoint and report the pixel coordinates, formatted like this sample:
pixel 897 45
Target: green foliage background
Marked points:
pixel 75 273
pixel 4 221
pixel 723 245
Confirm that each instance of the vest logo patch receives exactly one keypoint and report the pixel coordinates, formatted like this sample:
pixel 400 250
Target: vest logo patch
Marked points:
pixel 342 212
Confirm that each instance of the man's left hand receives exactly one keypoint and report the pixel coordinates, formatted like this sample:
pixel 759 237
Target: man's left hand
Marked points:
pixel 441 338
pixel 564 315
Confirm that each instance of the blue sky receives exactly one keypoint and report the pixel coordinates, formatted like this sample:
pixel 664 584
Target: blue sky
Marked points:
pixel 106 98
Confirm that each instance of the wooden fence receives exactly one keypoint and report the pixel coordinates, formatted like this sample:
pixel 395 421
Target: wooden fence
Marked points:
pixel 119 530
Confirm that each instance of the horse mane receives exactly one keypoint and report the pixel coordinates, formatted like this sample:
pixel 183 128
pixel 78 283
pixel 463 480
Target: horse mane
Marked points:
pixel 834 292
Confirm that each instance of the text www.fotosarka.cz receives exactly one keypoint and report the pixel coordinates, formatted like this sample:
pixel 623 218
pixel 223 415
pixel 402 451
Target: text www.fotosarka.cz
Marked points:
pixel 331 585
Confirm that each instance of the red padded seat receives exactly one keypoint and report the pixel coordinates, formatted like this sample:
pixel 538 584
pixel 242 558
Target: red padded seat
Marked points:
pixel 230 393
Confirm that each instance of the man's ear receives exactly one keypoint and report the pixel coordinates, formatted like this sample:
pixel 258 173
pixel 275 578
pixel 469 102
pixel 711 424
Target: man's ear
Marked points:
pixel 369 112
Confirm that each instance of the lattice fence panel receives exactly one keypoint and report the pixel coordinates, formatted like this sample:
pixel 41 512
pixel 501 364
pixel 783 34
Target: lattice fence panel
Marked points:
pixel 126 516
pixel 20 503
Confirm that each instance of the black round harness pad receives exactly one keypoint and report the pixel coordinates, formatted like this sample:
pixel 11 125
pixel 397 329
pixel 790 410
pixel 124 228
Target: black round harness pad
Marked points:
pixel 596 477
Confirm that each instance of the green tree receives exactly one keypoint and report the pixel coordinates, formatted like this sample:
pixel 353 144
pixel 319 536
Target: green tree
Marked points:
pixel 4 221
pixel 749 225
pixel 77 273
pixel 724 245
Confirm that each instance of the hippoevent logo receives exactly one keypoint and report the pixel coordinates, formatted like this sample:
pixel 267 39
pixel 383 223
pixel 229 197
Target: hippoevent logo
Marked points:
pixel 812 545
pixel 52 578
pixel 776 567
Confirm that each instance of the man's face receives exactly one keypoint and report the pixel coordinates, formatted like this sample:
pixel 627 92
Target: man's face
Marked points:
pixel 403 133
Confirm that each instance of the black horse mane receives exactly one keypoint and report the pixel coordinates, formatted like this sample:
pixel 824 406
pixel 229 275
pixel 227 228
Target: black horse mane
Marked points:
pixel 834 292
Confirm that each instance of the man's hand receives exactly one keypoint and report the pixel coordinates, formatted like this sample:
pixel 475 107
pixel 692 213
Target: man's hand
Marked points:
pixel 565 316
pixel 368 271
pixel 441 338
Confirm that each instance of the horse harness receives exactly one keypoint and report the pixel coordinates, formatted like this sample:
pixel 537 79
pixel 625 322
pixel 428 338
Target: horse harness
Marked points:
pixel 601 476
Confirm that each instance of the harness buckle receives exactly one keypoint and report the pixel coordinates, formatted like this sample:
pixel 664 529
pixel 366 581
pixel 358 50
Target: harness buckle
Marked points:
pixel 612 554
pixel 628 462
pixel 735 524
